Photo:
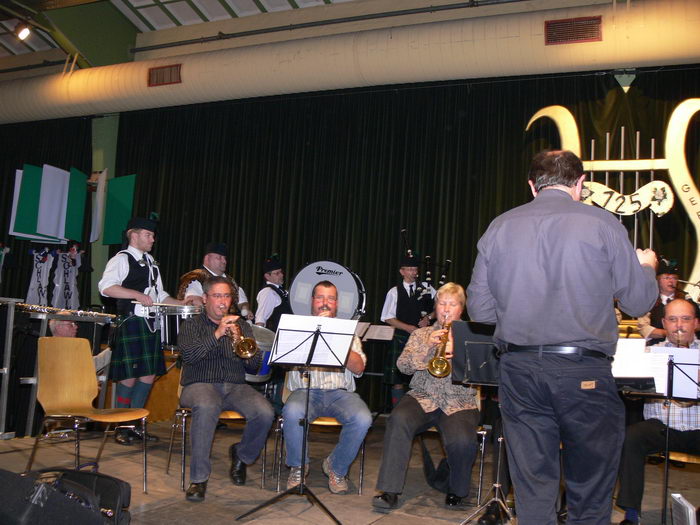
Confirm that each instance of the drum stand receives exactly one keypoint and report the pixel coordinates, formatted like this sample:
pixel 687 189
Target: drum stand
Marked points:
pixel 498 496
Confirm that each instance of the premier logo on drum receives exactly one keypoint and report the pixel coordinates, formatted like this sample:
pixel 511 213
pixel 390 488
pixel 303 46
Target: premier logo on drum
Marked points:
pixel 320 270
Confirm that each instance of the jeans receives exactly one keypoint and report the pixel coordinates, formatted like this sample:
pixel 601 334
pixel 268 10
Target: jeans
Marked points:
pixel 548 401
pixel 207 401
pixel 347 407
pixel 458 434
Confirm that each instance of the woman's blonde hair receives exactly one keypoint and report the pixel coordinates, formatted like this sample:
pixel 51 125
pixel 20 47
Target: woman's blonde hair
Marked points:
pixel 453 289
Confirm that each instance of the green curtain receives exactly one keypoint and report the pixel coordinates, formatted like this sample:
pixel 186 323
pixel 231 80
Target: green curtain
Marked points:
pixel 62 143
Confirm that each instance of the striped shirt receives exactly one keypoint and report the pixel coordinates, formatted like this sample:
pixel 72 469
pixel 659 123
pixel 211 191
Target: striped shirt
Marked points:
pixel 328 378
pixel 684 416
pixel 208 360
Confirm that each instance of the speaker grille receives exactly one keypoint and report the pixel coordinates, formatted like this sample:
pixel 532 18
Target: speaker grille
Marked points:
pixel 573 30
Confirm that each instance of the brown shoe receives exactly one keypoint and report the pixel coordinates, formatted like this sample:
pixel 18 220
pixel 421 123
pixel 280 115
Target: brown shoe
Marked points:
pixel 336 484
pixel 294 479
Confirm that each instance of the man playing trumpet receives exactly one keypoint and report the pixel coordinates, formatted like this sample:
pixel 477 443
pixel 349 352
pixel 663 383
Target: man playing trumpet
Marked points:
pixel 213 380
pixel 432 401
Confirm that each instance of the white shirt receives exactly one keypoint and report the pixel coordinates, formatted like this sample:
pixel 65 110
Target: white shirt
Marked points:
pixel 392 297
pixel 195 288
pixel 268 300
pixel 328 378
pixel 118 268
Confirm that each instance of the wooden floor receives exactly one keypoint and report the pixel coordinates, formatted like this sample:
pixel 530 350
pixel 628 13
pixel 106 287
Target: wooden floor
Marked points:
pixel 165 503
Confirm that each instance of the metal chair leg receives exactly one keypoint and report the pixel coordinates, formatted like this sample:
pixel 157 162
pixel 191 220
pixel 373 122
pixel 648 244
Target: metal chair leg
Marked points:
pixel 145 462
pixel 102 446
pixel 76 429
pixel 362 466
pixel 172 439
pixel 183 444
pixel 30 462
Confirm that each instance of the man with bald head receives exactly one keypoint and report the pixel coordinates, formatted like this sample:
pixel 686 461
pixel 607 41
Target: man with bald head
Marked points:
pixel 649 436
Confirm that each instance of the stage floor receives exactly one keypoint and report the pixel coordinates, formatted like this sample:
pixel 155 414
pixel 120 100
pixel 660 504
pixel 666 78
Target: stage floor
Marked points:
pixel 165 503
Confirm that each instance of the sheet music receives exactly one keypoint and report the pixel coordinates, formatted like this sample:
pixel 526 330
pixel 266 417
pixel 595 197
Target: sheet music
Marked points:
pixel 631 359
pixel 379 332
pixel 295 334
pixel 361 329
pixel 682 385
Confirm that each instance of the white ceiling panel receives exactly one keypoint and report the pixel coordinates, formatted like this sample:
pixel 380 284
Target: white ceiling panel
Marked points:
pixel 276 5
pixel 129 13
pixel 212 9
pixel 244 7
pixel 157 17
pixel 184 13
pixel 309 3
pixel 12 43
pixel 140 3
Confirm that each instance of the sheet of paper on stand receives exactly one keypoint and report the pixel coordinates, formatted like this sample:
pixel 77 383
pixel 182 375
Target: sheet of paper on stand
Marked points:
pixel 295 334
pixel 683 385
pixel 379 332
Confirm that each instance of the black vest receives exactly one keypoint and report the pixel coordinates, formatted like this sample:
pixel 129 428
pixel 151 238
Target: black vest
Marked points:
pixel 408 309
pixel 136 279
pixel 285 307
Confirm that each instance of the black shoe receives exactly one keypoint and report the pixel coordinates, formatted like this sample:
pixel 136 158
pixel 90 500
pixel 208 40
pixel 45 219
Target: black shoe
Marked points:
pixel 123 437
pixel 386 501
pixel 196 491
pixel 628 522
pixel 137 433
pixel 452 501
pixel 238 468
pixel 491 516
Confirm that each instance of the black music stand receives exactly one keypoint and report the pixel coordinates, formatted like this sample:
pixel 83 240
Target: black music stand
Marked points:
pixel 475 359
pixel 300 350
pixel 672 368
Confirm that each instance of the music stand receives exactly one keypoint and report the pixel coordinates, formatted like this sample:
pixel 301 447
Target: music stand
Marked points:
pixel 475 359
pixel 309 341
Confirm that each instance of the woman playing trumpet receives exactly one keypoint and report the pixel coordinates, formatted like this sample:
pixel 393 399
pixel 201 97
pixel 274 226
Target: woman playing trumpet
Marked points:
pixel 432 401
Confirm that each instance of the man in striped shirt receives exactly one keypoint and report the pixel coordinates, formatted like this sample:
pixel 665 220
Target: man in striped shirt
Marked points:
pixel 213 380
pixel 649 436
pixel 331 394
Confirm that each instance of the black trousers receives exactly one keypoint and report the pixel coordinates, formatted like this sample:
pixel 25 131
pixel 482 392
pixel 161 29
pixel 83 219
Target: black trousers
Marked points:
pixel 552 401
pixel 642 439
pixel 458 434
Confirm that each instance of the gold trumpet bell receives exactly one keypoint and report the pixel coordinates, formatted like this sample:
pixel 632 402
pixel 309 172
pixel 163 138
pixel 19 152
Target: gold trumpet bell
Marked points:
pixel 246 347
pixel 439 367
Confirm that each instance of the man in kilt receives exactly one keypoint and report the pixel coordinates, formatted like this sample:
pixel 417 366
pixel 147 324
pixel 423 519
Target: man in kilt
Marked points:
pixel 406 308
pixel 137 358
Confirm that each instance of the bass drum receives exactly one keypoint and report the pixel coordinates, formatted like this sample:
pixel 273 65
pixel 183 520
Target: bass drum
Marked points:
pixel 351 291
pixel 264 339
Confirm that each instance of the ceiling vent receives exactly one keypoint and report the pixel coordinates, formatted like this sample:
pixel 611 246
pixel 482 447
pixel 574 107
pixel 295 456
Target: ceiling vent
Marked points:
pixel 162 76
pixel 573 30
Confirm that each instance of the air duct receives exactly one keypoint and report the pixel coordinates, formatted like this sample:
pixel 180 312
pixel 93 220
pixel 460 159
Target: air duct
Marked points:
pixel 650 33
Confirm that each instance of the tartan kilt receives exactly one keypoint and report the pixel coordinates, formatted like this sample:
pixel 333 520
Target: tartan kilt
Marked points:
pixel 392 375
pixel 137 351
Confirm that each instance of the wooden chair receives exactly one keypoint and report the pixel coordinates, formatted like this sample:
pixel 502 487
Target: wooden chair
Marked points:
pixel 67 386
pixel 180 422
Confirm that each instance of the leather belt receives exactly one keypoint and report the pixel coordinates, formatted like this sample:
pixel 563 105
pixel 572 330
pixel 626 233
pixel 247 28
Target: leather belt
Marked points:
pixel 556 349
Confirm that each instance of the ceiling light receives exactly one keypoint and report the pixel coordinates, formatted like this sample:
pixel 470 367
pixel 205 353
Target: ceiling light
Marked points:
pixel 22 31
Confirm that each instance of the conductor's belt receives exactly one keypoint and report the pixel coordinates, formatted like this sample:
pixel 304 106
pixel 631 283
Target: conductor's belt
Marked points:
pixel 556 349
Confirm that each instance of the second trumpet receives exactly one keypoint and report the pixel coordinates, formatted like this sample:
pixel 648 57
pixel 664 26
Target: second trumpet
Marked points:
pixel 439 365
pixel 243 347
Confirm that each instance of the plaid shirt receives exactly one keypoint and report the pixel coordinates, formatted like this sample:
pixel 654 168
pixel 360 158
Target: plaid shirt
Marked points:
pixel 684 416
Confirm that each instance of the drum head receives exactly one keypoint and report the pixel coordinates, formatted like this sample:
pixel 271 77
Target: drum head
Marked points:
pixel 185 310
pixel 351 291
pixel 263 337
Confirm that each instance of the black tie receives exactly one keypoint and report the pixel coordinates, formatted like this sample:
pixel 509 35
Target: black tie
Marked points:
pixel 410 293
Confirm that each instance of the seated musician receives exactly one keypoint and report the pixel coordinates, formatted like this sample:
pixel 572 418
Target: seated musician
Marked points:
pixel 213 380
pixel 648 437
pixel 650 325
pixel 213 263
pixel 432 401
pixel 65 328
pixel 332 394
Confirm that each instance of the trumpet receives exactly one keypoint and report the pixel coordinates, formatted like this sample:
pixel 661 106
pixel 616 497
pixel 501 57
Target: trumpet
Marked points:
pixel 439 365
pixel 243 347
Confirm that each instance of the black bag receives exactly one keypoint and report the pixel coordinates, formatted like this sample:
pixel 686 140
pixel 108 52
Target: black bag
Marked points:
pixel 46 499
pixel 113 495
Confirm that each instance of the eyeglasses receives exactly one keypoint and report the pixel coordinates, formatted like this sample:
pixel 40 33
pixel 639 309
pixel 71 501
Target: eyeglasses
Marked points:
pixel 220 295
pixel 329 299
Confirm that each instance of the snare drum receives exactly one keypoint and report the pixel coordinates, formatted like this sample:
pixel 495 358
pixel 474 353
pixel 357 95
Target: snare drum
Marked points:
pixel 264 338
pixel 171 316
pixel 351 291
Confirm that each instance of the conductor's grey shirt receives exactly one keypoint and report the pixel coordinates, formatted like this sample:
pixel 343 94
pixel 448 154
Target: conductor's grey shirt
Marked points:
pixel 547 273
